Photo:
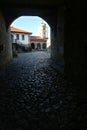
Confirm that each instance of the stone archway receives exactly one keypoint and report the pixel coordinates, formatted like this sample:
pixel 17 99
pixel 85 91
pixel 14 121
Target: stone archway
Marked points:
pixel 44 46
pixel 68 28
pixel 56 34
pixel 32 45
pixel 55 22
pixel 38 46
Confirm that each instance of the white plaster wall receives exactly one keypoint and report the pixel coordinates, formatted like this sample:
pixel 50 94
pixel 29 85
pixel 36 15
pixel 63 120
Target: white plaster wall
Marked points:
pixel 26 40
pixel 41 31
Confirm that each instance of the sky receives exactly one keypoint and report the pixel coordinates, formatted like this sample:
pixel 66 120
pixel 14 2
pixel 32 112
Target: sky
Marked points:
pixel 29 23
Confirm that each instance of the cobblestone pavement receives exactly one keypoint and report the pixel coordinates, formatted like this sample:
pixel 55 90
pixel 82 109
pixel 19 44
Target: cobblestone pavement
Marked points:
pixel 34 96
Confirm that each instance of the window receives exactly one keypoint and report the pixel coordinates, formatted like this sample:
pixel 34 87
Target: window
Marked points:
pixel 43 27
pixel 22 37
pixel 44 33
pixel 17 36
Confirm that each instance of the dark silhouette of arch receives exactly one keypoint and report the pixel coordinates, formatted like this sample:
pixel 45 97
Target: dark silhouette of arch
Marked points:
pixel 44 46
pixel 32 45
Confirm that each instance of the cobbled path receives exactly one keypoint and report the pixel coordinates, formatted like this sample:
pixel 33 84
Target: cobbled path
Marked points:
pixel 34 96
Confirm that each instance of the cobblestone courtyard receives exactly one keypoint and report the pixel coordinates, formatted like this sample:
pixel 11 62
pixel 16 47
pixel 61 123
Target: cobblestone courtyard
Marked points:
pixel 34 96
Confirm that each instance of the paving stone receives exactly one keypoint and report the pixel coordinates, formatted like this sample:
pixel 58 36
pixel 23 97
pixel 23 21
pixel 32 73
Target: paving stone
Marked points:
pixel 30 88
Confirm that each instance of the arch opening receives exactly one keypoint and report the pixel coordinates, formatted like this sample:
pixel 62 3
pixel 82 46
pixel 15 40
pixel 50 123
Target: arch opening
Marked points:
pixel 32 45
pixel 44 45
pixel 36 32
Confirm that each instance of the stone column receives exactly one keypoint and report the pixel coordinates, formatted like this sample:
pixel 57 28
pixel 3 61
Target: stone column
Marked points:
pixel 41 46
pixel 35 45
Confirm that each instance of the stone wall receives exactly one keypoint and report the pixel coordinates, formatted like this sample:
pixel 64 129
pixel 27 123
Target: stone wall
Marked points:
pixel 5 44
pixel 69 39
pixel 57 37
pixel 75 43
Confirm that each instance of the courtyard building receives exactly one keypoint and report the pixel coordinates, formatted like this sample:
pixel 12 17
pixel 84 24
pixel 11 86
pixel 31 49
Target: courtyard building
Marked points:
pixel 23 38
pixel 38 43
pixel 20 36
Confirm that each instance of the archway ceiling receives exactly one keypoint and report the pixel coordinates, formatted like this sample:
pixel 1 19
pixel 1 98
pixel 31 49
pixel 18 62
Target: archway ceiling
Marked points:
pixel 32 2
pixel 12 9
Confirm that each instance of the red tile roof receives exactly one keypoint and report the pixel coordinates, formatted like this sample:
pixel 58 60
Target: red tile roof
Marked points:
pixel 37 38
pixel 17 30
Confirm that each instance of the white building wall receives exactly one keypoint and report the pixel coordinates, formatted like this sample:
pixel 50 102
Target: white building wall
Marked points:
pixel 29 40
pixel 43 30
pixel 46 32
pixel 26 40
